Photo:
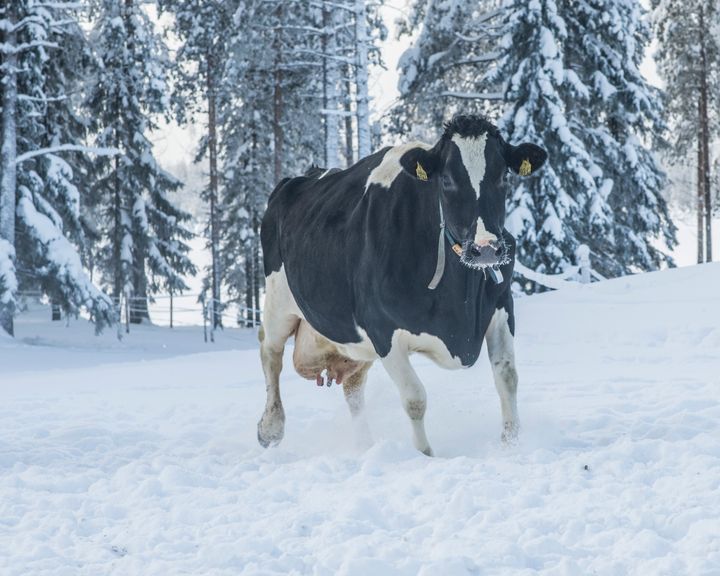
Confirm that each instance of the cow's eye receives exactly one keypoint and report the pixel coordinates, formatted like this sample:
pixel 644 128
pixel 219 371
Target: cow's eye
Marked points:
pixel 447 182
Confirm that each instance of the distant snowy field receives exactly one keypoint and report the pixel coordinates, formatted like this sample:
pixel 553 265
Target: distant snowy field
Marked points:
pixel 139 457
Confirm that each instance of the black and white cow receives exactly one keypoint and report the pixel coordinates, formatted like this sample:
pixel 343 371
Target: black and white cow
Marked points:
pixel 403 252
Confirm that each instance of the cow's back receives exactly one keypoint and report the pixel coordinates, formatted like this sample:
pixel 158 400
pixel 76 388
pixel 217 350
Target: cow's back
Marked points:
pixel 312 229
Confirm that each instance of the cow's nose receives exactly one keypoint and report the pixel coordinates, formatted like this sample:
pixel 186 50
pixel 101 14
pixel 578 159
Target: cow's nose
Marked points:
pixel 485 254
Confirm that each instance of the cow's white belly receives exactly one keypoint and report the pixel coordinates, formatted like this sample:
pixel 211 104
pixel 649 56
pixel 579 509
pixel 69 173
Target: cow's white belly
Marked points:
pixel 363 351
pixel 423 343
pixel 427 345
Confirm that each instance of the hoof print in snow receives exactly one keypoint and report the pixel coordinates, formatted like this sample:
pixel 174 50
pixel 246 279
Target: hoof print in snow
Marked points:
pixel 119 551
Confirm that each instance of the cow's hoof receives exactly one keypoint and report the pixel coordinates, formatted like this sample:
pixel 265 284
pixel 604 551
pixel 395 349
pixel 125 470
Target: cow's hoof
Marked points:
pixel 509 436
pixel 270 431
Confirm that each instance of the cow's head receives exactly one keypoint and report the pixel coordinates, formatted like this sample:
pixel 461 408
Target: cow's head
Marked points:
pixel 466 169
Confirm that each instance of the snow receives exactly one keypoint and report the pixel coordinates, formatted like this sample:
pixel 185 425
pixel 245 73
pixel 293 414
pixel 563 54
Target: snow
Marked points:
pixel 139 457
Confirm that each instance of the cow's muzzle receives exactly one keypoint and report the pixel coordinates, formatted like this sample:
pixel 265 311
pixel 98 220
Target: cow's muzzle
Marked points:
pixel 478 257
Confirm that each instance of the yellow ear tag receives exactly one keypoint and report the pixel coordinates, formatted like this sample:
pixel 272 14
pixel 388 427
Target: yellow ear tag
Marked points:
pixel 525 168
pixel 420 171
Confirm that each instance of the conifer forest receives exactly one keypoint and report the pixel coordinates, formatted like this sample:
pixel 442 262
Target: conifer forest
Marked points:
pixel 93 220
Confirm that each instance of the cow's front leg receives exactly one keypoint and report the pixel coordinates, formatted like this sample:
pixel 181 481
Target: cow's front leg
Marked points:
pixel 412 394
pixel 278 325
pixel 271 426
pixel 501 352
pixel 354 390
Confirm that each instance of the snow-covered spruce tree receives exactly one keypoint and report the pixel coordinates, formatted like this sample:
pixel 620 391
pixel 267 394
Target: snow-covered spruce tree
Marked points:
pixel 688 58
pixel 621 116
pixel 44 57
pixel 545 211
pixel 341 37
pixel 203 28
pixel 331 61
pixel 443 71
pixel 143 232
pixel 271 128
pixel 11 17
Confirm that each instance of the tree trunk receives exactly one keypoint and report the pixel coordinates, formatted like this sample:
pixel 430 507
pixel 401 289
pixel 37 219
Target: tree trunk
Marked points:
pixel 118 269
pixel 258 273
pixel 247 316
pixel 361 79
pixel 700 202
pixel 278 135
pixel 349 155
pixel 213 196
pixel 330 80
pixel 705 131
pixel 139 304
pixel 8 154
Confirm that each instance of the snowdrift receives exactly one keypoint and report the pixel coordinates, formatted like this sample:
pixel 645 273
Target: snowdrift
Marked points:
pixel 140 457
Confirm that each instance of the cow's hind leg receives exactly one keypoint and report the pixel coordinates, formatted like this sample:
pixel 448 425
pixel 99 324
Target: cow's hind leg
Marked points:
pixel 501 352
pixel 354 390
pixel 412 394
pixel 278 325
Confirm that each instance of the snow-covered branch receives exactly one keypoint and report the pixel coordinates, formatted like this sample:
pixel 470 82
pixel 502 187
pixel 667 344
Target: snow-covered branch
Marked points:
pixel 41 99
pixel 6 48
pixel 473 95
pixel 344 113
pixel 66 148
pixel 488 57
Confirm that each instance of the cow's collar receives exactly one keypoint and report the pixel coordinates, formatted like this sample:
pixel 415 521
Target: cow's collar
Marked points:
pixel 496 275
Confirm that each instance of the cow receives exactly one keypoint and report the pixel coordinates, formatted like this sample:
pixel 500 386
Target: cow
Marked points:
pixel 403 252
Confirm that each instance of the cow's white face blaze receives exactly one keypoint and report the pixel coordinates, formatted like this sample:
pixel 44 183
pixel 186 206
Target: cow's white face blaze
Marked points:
pixel 472 152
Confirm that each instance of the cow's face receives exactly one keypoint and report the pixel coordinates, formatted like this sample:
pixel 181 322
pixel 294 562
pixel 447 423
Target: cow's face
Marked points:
pixel 467 170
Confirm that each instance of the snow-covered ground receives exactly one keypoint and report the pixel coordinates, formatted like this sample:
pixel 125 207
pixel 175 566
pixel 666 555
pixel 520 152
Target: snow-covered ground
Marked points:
pixel 139 457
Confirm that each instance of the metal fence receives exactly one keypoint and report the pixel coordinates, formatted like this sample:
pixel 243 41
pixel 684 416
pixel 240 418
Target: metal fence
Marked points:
pixel 171 310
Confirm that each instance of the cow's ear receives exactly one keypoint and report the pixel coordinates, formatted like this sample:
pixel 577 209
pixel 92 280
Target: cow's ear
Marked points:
pixel 525 158
pixel 421 164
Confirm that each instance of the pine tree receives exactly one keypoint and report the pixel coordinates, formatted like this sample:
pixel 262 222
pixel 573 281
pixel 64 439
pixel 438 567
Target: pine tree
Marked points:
pixel 44 159
pixel 444 70
pixel 142 230
pixel 286 74
pixel 281 104
pixel 203 28
pixel 543 209
pixel 688 58
pixel 622 117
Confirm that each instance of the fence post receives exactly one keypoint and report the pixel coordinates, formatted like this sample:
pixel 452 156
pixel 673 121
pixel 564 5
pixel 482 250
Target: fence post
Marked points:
pixel 582 254
pixel 212 319
pixel 204 314
pixel 127 313
pixel 118 311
